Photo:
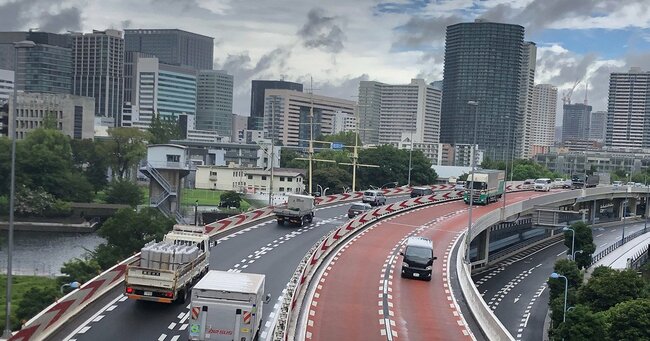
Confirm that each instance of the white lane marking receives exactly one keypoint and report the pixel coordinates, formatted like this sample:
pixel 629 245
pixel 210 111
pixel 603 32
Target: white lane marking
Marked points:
pixel 183 327
pixel 561 253
pixel 111 308
pixel 84 329
pixel 85 323
pixel 172 326
pixel 175 337
pixel 98 318
pixel 162 337
pixel 598 235
pixel 603 245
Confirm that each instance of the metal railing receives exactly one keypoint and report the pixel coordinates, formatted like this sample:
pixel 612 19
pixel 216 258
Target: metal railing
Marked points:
pixel 600 255
pixel 639 259
pixel 159 199
pixel 160 179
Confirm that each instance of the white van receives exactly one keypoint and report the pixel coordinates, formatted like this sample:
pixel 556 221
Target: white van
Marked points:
pixel 543 184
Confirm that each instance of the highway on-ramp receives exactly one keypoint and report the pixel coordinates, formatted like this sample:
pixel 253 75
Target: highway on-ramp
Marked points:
pixel 359 294
pixel 265 248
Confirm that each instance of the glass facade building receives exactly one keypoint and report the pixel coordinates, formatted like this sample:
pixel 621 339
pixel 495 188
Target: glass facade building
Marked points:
pixel 214 102
pixel 483 63
pixel 258 88
pixel 176 92
pixel 172 47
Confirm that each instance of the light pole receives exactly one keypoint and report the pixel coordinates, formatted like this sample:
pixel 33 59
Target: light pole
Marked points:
pixel 411 155
pixel 645 213
pixel 471 184
pixel 624 214
pixel 573 239
pixel 12 190
pixel 566 289
pixel 573 256
pixel 73 285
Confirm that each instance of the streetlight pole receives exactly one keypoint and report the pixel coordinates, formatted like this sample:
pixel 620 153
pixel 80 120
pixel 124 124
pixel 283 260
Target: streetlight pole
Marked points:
pixel 573 239
pixel 12 190
pixel 411 154
pixel 271 159
pixel 471 184
pixel 566 289
pixel 573 256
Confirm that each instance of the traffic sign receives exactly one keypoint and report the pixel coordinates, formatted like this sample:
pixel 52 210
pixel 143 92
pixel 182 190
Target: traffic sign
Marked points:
pixel 337 145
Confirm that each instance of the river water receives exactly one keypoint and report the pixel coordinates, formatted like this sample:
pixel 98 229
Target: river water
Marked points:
pixel 43 253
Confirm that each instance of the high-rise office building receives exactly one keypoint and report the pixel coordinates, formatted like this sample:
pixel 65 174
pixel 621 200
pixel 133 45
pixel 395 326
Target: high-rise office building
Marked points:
pixel 258 89
pixel 287 115
pixel 214 102
pixel 628 118
pixel 483 64
pixel 598 126
pixel 158 89
pixel 98 60
pixel 526 97
pixel 576 122
pixel 543 115
pixel 172 46
pixel 393 113
pixel 44 68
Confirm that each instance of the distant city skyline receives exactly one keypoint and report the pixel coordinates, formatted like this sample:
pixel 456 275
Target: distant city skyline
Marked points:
pixel 383 41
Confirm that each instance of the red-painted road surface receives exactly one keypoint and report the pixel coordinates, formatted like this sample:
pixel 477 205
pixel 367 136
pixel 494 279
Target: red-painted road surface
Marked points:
pixel 361 295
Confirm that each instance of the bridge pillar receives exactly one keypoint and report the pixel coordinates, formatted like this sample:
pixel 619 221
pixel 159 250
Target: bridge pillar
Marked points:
pixel 482 245
pixel 618 207
pixel 632 202
pixel 593 210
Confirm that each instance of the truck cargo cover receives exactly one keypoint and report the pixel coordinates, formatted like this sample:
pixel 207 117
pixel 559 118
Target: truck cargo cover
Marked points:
pixel 230 281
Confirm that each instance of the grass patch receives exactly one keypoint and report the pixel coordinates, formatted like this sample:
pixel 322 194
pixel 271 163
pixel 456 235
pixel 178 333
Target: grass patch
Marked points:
pixel 20 285
pixel 206 197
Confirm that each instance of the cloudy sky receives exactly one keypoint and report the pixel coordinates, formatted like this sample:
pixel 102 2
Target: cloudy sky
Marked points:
pixel 339 42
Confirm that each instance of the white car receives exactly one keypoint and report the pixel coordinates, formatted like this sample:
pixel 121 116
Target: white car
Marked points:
pixel 543 184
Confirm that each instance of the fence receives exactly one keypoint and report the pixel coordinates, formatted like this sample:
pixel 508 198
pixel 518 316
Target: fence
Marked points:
pixel 600 255
pixel 639 259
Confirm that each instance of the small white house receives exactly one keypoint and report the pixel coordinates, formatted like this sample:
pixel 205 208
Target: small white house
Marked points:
pixel 249 180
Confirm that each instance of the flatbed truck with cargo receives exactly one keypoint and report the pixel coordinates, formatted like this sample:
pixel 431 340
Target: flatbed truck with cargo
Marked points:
pixel 298 211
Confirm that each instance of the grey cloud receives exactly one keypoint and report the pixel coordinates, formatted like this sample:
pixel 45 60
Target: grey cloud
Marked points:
pixel 16 15
pixel 423 32
pixel 321 31
pixel 67 19
pixel 243 71
pixel 126 23
pixel 347 88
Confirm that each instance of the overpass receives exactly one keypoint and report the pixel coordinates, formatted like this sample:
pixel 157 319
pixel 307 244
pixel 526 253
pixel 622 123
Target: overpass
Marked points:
pixel 54 317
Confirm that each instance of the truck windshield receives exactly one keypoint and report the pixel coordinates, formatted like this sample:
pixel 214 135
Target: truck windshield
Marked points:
pixel 477 185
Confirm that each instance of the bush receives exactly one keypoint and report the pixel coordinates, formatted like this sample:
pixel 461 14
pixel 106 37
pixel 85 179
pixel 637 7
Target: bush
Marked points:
pixel 59 208
pixel 124 192
pixel 80 270
pixel 230 199
pixel 35 300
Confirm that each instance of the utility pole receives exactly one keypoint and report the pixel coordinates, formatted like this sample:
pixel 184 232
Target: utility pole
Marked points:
pixel 471 184
pixel 410 158
pixel 355 154
pixel 272 158
pixel 311 131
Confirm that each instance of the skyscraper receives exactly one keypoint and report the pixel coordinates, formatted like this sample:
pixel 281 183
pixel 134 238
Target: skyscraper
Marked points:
pixel 214 102
pixel 628 119
pixel 97 60
pixel 45 68
pixel 387 112
pixel 526 96
pixel 258 89
pixel 172 46
pixel 598 126
pixel 576 122
pixel 543 115
pixel 483 63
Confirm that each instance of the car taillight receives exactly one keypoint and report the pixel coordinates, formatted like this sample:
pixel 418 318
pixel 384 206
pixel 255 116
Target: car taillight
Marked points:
pixel 129 290
pixel 169 294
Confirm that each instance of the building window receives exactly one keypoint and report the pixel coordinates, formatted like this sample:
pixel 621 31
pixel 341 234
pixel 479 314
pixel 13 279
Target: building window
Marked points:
pixel 263 177
pixel 281 189
pixel 173 158
pixel 282 178
pixel 250 177
pixel 289 179
pixel 78 121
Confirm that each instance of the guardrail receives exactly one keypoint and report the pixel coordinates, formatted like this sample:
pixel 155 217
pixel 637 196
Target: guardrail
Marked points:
pixel 296 290
pixel 600 255
pixel 639 259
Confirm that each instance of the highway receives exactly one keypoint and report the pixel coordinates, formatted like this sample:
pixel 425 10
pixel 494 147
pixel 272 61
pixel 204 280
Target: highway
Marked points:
pixel 360 295
pixel 516 288
pixel 264 248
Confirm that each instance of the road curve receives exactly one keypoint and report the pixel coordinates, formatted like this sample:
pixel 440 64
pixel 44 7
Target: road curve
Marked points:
pixel 360 295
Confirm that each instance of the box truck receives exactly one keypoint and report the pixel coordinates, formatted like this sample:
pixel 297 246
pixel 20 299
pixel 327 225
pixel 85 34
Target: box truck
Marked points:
pixel 489 186
pixel 299 210
pixel 227 306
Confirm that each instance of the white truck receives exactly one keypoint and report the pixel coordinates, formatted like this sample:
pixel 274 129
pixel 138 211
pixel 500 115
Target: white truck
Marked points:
pixel 227 306
pixel 299 210
pixel 166 271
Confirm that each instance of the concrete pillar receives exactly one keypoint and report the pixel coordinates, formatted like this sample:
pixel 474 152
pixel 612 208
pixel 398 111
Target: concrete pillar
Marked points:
pixel 618 208
pixel 594 210
pixel 631 204
pixel 482 245
pixel 647 206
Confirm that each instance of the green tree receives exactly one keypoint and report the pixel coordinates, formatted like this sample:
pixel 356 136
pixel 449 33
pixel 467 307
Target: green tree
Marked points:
pixel 124 192
pixel 80 270
pixel 345 137
pixel 5 164
pixel 607 287
pixel 127 231
pixel 107 255
pixel 125 149
pixel 630 320
pixel 34 301
pixel 231 199
pixel 164 129
pixel 333 177
pixel 50 121
pixel 38 203
pixel 393 164
pixel 46 161
pixel 582 325
pixel 89 158
pixel 568 269
pixel 584 241
pixel 287 157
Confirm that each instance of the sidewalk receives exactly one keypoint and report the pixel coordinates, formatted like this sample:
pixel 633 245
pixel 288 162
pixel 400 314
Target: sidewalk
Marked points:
pixel 617 259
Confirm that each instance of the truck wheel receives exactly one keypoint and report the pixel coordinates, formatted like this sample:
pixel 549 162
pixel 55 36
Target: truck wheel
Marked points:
pixel 280 222
pixel 304 221
pixel 311 218
pixel 182 296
